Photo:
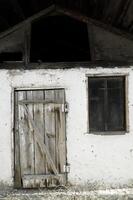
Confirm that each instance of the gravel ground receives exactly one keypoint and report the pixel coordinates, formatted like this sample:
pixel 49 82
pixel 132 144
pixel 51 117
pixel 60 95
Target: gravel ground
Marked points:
pixel 121 194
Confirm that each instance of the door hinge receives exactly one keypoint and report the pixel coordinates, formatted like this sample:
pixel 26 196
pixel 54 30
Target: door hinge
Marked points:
pixel 65 107
pixel 67 168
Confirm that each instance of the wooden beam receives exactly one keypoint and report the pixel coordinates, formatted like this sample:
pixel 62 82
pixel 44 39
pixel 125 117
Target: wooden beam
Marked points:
pixel 91 41
pixel 27 43
pixel 41 176
pixel 85 19
pixel 33 180
pixel 44 12
pixel 70 13
pixel 39 101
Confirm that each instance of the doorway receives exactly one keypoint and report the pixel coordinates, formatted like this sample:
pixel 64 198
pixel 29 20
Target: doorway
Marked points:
pixel 40 138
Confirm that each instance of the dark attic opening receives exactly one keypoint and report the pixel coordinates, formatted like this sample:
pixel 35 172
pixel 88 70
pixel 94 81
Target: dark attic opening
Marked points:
pixel 59 39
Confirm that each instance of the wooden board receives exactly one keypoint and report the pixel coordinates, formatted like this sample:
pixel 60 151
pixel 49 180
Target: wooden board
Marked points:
pixel 50 130
pixel 40 129
pixel 37 181
pixel 17 172
pixel 39 122
pixel 60 128
pixel 31 149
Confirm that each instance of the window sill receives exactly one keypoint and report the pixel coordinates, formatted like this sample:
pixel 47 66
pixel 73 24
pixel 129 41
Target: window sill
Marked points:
pixel 108 133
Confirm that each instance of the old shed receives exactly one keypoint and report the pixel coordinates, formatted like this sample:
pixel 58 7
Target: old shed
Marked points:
pixel 66 101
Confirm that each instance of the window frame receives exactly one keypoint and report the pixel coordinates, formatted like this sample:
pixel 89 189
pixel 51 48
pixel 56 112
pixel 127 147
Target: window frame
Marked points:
pixel 126 107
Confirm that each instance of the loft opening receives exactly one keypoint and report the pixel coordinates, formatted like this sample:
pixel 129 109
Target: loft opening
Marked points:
pixel 59 39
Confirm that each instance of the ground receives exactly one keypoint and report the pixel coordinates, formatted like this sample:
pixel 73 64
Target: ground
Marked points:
pixel 65 194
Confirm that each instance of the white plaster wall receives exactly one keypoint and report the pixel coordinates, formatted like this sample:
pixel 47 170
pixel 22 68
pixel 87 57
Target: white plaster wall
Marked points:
pixel 92 158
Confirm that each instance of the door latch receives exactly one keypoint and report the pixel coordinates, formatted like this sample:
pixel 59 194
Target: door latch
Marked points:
pixel 65 107
pixel 67 168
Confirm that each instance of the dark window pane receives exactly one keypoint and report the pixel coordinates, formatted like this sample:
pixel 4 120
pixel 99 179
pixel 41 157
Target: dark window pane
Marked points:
pixel 96 106
pixel 116 106
pixel 115 110
pixel 107 104
pixel 115 82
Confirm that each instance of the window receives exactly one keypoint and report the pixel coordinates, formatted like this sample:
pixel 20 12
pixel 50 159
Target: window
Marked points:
pixel 106 104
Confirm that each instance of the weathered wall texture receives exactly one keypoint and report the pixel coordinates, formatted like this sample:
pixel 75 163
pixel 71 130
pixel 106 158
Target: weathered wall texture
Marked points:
pixel 110 46
pixel 96 159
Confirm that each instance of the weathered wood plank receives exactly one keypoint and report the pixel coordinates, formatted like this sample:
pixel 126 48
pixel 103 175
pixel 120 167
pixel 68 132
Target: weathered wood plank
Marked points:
pixel 17 177
pixel 57 130
pixel 31 140
pixel 37 181
pixel 50 126
pixel 23 135
pixel 60 132
pixel 39 101
pixel 50 122
pixel 62 141
pixel 39 121
pixel 41 176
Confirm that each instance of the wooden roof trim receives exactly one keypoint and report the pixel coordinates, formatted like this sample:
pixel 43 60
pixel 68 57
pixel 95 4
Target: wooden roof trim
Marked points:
pixel 76 15
pixel 65 65
pixel 88 20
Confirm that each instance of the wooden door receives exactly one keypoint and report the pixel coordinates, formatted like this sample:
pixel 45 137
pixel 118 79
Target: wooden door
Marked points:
pixel 40 140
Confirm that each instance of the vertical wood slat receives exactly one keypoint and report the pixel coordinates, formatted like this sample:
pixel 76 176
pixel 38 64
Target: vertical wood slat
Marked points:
pixel 45 141
pixel 50 128
pixel 56 132
pixel 31 149
pixel 62 141
pixel 17 173
pixel 58 97
pixel 23 135
pixel 60 132
pixel 39 121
